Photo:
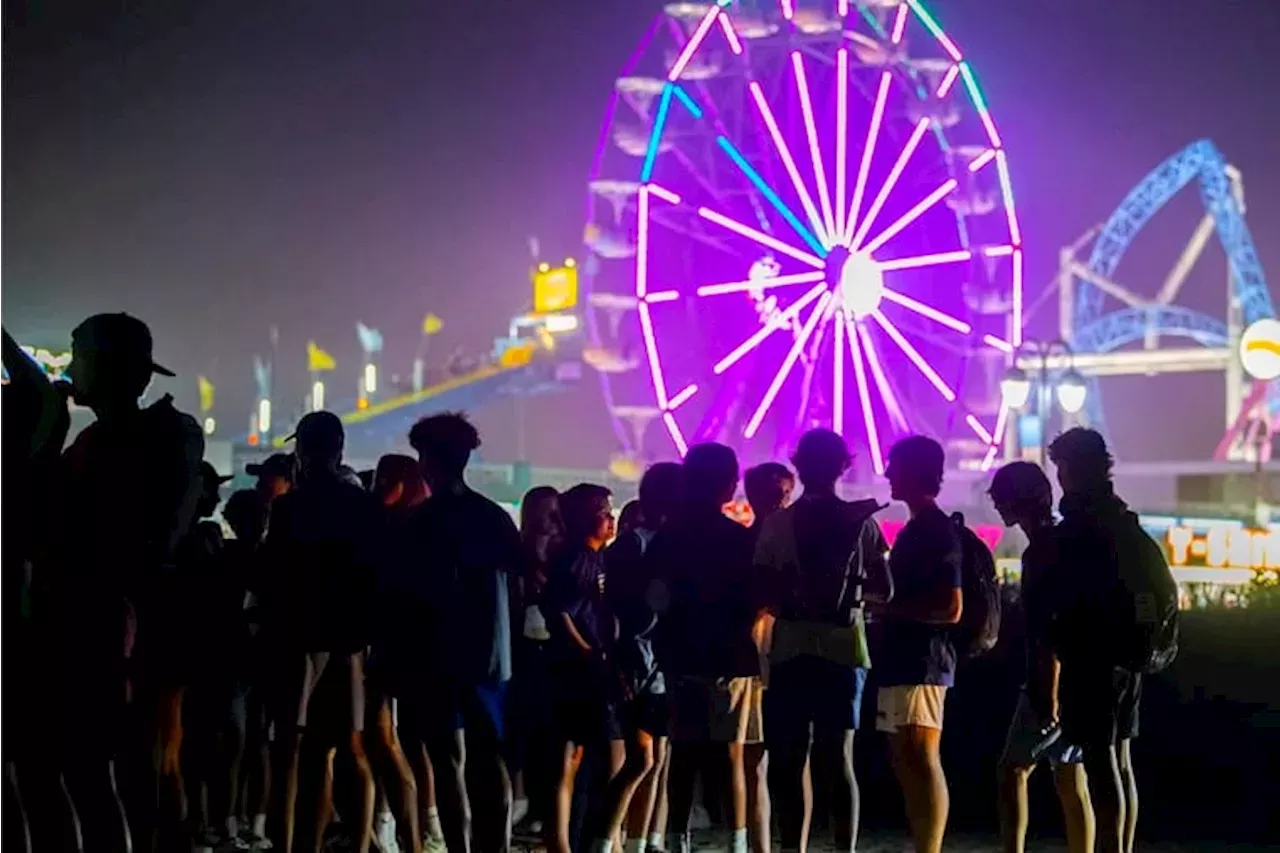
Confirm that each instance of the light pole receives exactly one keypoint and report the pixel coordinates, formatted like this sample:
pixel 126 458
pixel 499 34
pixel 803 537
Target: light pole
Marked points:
pixel 1051 368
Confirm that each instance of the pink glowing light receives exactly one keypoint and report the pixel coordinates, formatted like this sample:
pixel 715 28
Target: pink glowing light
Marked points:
pixel 932 26
pixel 842 132
pixel 998 251
pixel 811 130
pixel 735 44
pixel 673 429
pixel 651 349
pixel 864 167
pixel 883 388
pixel 664 193
pixel 776 322
pixel 683 397
pixel 788 162
pixel 899 24
pixel 662 296
pixel 927 311
pixel 926 260
pixel 890 181
pixel 642 243
pixel 695 41
pixel 837 389
pixel 788 9
pixel 948 80
pixel 1017 298
pixel 842 8
pixel 761 283
pixel 1006 190
pixel 1002 419
pixel 990 458
pixel 997 343
pixel 787 363
pixel 864 398
pixel 763 239
pixel 910 216
pixel 978 428
pixel 982 159
pixel 916 358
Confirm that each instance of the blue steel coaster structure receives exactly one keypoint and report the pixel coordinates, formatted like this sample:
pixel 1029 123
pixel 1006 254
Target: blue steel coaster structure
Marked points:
pixel 1096 330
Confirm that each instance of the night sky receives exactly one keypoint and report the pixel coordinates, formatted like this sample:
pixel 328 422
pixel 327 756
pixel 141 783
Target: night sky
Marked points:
pixel 219 167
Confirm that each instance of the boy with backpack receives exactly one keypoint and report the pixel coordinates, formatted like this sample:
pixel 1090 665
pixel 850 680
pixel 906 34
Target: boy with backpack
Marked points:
pixel 919 658
pixel 1117 618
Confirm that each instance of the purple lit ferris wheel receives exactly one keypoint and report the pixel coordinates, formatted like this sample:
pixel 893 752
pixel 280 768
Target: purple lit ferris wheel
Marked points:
pixel 800 214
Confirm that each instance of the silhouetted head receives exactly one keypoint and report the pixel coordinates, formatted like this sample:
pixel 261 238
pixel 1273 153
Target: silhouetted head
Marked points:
pixel 1021 494
pixel 398 483
pixel 1083 461
pixel 661 493
pixel 210 484
pixel 275 474
pixel 319 442
pixel 246 515
pixel 630 517
pixel 710 474
pixel 588 515
pixel 444 443
pixel 111 362
pixel 540 513
pixel 768 487
pixel 915 469
pixel 821 458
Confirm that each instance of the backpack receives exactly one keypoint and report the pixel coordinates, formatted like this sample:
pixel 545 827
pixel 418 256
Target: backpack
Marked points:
pixel 979 626
pixel 1146 621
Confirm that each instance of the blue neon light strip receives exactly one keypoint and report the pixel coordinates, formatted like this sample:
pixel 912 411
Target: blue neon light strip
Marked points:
pixel 655 136
pixel 767 192
pixel 693 108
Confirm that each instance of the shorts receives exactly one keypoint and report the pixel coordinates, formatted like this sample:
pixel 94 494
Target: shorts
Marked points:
pixel 583 715
pixel 345 693
pixel 1030 741
pixel 716 710
pixel 648 712
pixel 1099 706
pixel 910 705
pixel 812 695
pixel 432 708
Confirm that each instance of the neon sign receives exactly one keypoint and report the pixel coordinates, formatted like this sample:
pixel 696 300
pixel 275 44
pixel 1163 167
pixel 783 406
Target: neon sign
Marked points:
pixel 1215 543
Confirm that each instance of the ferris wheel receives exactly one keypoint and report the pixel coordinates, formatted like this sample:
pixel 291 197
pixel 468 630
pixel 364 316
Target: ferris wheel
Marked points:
pixel 799 214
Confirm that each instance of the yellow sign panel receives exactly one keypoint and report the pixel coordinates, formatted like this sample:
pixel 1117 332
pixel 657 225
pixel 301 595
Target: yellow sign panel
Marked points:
pixel 555 289
pixel 1216 543
pixel 517 356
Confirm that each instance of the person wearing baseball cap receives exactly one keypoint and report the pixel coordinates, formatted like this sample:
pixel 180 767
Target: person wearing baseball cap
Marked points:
pixel 275 475
pixel 323 539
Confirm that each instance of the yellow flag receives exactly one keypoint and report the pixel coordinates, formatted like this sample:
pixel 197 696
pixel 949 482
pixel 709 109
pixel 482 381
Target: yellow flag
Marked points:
pixel 431 324
pixel 206 394
pixel 318 359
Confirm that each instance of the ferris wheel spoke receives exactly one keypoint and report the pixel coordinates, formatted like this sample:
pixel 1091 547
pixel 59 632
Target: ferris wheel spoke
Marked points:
pixel 762 238
pixel 914 356
pixel 789 362
pixel 997 437
pixel 761 283
pixel 864 398
pixel 928 311
pixel 811 130
pixel 868 149
pixel 978 429
pixel 910 216
pixel 782 318
pixel 916 261
pixel 789 163
pixel 767 191
pixel 887 395
pixel 837 379
pixel 842 132
pixel 891 181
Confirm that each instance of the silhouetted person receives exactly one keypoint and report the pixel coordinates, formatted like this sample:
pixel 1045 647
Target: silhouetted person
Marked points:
pixel 274 475
pixel 131 484
pixel 470 551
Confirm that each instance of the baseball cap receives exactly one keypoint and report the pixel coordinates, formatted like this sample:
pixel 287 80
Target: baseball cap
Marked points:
pixel 210 474
pixel 120 336
pixel 319 429
pixel 275 465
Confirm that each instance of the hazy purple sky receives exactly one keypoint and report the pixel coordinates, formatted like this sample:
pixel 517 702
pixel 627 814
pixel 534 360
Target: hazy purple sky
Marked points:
pixel 219 167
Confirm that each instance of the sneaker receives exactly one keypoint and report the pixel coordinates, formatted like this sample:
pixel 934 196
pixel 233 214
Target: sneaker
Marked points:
pixel 254 841
pixel 519 810
pixel 432 844
pixel 384 834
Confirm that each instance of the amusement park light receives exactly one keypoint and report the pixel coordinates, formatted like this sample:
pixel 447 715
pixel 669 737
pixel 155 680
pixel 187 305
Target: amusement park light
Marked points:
pixel 1015 388
pixel 210 425
pixel 1072 391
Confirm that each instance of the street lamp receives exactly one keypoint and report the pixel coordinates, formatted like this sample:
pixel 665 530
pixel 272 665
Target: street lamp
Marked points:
pixel 1067 385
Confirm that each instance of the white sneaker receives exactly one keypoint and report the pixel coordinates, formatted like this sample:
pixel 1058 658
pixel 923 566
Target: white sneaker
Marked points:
pixel 385 834
pixel 519 810
pixel 432 844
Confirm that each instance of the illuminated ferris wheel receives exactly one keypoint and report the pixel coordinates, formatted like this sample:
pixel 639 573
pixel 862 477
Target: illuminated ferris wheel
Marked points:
pixel 800 214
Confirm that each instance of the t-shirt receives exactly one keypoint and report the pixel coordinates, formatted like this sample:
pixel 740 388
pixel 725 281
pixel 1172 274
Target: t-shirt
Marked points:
pixel 469 550
pixel 323 540
pixel 575 585
pixel 628 593
pixel 1039 566
pixel 925 562
pixel 703 560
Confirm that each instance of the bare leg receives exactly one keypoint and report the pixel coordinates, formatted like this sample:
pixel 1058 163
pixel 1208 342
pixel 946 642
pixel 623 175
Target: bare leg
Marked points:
pixel 756 770
pixel 1105 793
pixel 557 830
pixel 98 810
pixel 1077 811
pixel 918 762
pixel 365 789
pixel 1129 787
pixel 645 799
pixel 449 755
pixel 1013 807
pixel 661 809
pixel 397 778
pixel 492 803
pixel 637 763
pixel 845 796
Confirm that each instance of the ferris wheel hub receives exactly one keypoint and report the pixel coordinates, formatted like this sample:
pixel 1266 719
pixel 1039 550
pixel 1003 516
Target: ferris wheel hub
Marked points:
pixel 858 281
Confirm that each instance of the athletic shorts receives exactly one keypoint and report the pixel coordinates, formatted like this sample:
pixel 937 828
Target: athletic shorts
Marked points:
pixel 344 697
pixel 716 710
pixel 1099 706
pixel 910 705
pixel 433 708
pixel 648 712
pixel 810 692
pixel 1031 741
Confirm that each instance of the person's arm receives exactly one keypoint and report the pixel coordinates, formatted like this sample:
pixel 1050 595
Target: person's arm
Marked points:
pixel 878 588
pixel 943 602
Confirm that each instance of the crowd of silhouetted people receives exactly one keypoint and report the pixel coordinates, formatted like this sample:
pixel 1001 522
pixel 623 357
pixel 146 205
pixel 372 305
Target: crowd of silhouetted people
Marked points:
pixel 396 664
